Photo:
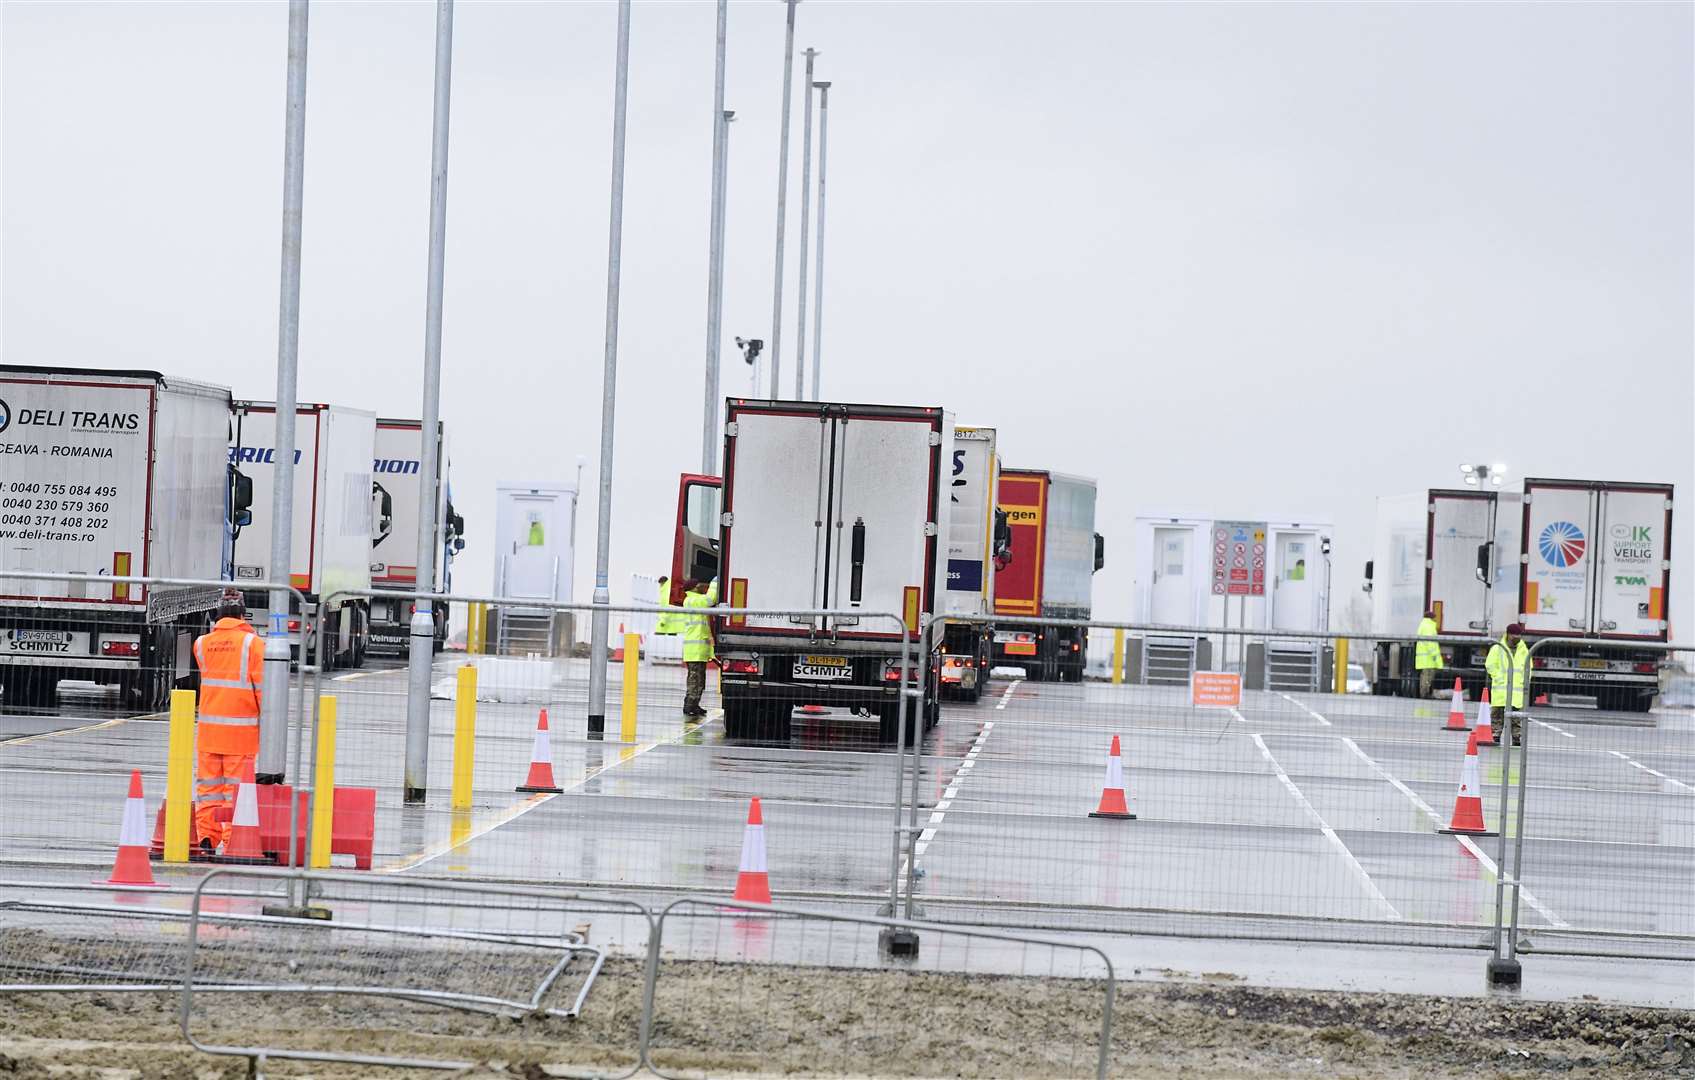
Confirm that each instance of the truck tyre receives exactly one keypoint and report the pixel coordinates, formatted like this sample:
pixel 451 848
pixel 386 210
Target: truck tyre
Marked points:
pixel 30 687
pixel 740 720
pixel 888 726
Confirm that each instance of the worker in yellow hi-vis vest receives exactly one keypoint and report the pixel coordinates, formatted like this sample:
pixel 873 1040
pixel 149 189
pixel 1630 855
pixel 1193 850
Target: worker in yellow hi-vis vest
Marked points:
pixel 697 641
pixel 1427 658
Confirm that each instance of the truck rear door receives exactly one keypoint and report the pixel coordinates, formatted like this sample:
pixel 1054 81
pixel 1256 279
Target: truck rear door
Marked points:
pixel 775 543
pixel 1018 586
pixel 882 498
pixel 1459 523
pixel 1555 594
pixel 1632 560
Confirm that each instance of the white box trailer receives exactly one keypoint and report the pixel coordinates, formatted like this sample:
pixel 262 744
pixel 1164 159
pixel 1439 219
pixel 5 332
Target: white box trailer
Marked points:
pixel 107 473
pixel 978 541
pixel 395 473
pixel 337 514
pixel 535 528
pixel 826 506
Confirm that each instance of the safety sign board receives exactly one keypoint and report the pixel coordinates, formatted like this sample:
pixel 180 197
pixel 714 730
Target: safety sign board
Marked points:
pixel 1238 558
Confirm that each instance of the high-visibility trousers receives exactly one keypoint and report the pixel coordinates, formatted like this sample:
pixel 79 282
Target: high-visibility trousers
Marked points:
pixel 218 777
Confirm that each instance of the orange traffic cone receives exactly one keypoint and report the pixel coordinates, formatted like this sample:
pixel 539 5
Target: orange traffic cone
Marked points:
pixel 618 649
pixel 541 761
pixel 132 867
pixel 243 844
pixel 1468 804
pixel 753 885
pixel 1113 804
pixel 1485 730
pixel 1456 709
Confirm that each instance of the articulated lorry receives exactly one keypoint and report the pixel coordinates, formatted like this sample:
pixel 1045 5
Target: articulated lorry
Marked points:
pixel 823 506
pixel 1567 558
pixel 395 473
pixel 979 542
pixel 1055 552
pixel 338 515
pixel 108 474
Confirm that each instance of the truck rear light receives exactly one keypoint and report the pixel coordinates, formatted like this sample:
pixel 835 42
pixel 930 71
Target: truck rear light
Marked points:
pixel 120 648
pixel 1538 662
pixel 293 624
pixel 1075 646
pixel 1647 668
pixel 740 666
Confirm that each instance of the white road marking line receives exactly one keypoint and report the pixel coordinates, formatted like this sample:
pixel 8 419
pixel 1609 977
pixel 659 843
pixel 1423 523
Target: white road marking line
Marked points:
pixel 350 676
pixel 1553 728
pixel 1006 697
pixel 950 793
pixel 1465 841
pixel 1324 827
pixel 1650 771
pixel 1308 711
pixel 523 806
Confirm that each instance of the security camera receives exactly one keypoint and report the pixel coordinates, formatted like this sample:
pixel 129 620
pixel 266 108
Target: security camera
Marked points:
pixel 750 348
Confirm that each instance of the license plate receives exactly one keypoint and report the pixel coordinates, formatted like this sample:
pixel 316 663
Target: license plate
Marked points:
pixel 38 641
pixel 823 668
pixel 1592 665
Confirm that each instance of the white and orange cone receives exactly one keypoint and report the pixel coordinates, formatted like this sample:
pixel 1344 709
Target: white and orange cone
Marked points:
pixel 753 884
pixel 1468 804
pixel 1485 730
pixel 132 866
pixel 1114 803
pixel 540 777
pixel 1456 709
pixel 243 844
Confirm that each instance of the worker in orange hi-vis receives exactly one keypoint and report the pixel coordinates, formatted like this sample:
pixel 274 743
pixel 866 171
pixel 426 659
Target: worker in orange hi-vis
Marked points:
pixel 231 659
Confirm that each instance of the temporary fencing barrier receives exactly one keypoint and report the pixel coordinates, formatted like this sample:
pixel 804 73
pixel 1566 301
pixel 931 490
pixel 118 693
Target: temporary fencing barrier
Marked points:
pixel 750 987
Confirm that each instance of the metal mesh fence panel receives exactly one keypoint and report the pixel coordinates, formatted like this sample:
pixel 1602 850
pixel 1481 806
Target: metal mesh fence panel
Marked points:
pixel 742 989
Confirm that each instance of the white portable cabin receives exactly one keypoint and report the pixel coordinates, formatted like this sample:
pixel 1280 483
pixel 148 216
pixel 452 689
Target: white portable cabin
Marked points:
pixel 1174 574
pixel 534 553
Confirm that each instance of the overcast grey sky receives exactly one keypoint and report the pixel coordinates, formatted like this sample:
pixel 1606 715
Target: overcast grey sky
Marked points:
pixel 1231 260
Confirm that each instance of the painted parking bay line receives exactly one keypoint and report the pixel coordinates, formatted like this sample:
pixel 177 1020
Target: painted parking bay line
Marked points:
pixel 485 825
pixel 1330 836
pixel 1303 708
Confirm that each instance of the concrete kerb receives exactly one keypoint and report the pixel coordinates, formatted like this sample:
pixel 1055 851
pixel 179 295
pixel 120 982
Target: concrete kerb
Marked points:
pixel 714 907
pixel 910 699
pixel 314 883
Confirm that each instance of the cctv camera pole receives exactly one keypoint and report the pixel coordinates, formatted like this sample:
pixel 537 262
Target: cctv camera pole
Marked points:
pixel 818 276
pixel 421 647
pixel 805 206
pixel 614 253
pixel 272 762
pixel 715 255
pixel 782 204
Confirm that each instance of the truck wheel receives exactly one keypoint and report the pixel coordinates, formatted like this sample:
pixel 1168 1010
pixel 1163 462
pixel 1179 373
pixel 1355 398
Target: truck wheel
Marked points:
pixel 888 725
pixel 740 720
pixel 28 687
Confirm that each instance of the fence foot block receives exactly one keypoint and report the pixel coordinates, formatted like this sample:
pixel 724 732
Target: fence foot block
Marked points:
pixel 288 911
pixel 898 941
pixel 1507 973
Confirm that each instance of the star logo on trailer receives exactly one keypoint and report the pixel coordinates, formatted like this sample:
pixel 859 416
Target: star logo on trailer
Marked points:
pixel 1561 544
pixel 5 416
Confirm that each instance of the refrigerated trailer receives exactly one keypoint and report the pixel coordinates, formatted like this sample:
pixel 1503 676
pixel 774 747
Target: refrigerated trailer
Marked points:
pixel 824 506
pixel 1049 573
pixel 108 473
pixel 395 473
pixel 1567 558
pixel 979 541
pixel 338 513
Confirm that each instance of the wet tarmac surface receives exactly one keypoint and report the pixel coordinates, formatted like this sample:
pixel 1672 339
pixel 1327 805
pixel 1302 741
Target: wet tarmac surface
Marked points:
pixel 1294 816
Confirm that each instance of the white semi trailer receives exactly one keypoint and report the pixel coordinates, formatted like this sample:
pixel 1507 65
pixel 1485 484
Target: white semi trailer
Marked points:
pixel 102 474
pixel 337 514
pixel 394 554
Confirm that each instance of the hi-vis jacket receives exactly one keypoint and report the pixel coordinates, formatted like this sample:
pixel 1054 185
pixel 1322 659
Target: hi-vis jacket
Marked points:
pixel 232 675
pixel 697 629
pixel 1429 653
pixel 1497 665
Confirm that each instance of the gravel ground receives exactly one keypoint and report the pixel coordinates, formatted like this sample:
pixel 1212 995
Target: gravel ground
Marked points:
pixel 763 1020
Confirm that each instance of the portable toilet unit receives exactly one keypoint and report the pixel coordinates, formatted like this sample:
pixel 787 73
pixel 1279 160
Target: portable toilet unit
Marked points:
pixel 535 551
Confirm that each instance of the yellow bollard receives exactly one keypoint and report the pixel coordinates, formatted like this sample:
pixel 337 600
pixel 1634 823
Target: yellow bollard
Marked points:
pixel 1341 665
pixel 474 627
pixel 1117 657
pixel 632 654
pixel 464 737
pixel 323 787
pixel 179 776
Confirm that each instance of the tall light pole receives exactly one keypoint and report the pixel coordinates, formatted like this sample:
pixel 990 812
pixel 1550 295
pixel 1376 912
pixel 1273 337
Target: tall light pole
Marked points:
pixel 609 382
pixel 421 646
pixel 782 201
pixel 272 761
pixel 805 208
pixel 818 275
pixel 715 255
pixel 1484 475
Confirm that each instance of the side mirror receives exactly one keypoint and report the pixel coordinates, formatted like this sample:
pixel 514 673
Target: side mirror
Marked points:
pixel 458 544
pixel 1485 562
pixel 1100 551
pixel 1369 567
pixel 243 518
